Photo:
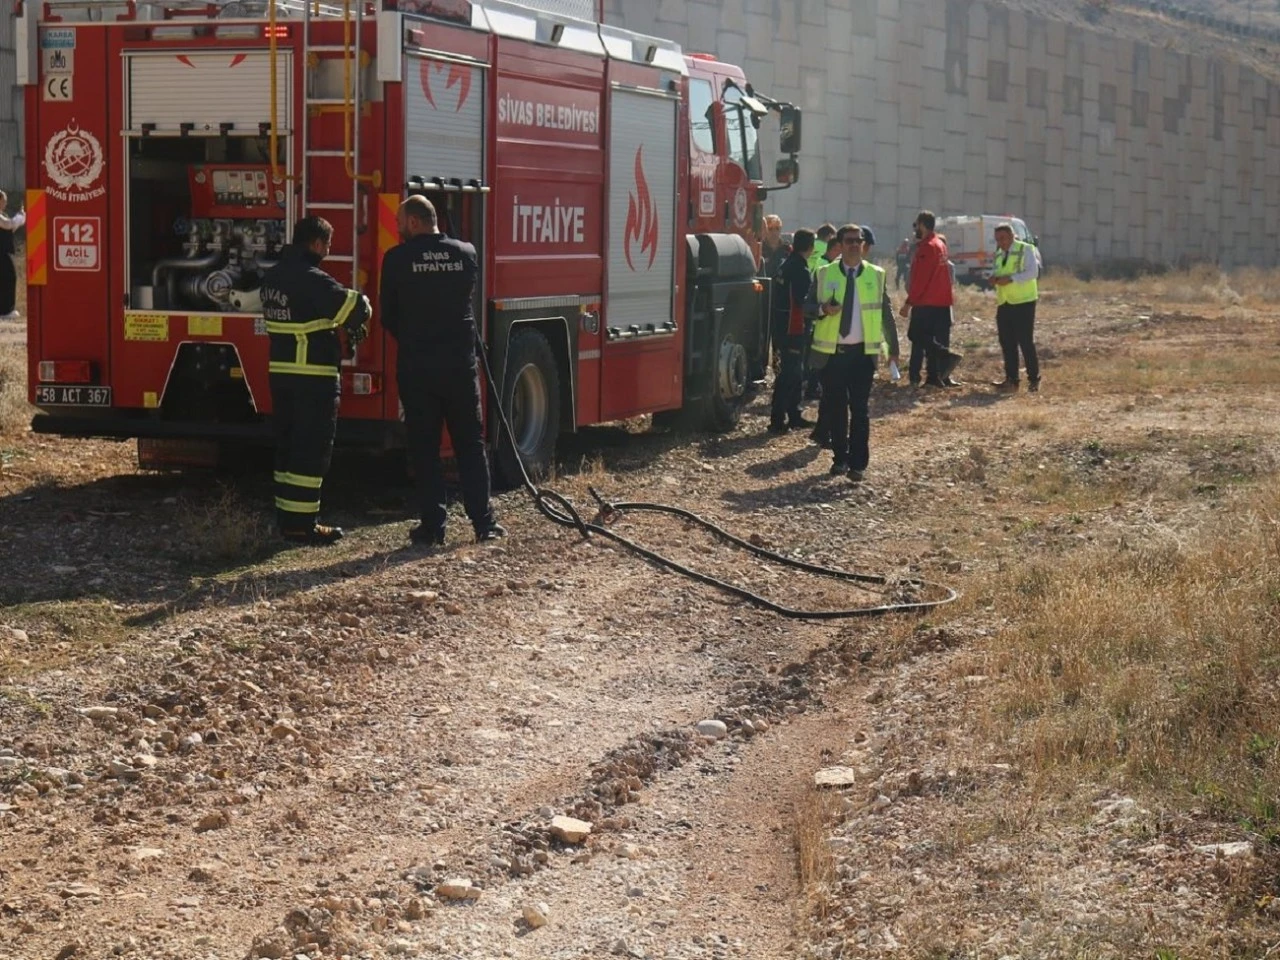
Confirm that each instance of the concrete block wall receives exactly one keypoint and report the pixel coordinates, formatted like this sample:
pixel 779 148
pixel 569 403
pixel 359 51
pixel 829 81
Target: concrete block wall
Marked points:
pixel 1107 147
pixel 11 160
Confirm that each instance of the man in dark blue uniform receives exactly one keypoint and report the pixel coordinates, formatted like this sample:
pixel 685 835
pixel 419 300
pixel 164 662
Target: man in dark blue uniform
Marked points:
pixel 304 308
pixel 790 288
pixel 428 282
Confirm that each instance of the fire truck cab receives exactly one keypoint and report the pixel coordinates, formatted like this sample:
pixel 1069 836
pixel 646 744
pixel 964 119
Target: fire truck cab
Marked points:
pixel 611 184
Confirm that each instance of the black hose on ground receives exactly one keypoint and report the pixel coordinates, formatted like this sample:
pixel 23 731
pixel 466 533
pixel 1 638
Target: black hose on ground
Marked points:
pixel 556 508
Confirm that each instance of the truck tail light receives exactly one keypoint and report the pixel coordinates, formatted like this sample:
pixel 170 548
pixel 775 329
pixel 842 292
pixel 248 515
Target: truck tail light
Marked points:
pixel 65 371
pixel 363 384
pixel 279 32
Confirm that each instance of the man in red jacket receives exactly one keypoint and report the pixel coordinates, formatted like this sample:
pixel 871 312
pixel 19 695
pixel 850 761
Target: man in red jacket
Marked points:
pixel 928 307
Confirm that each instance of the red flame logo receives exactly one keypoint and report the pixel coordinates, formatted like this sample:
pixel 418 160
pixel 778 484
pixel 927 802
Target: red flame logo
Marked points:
pixel 642 217
pixel 459 76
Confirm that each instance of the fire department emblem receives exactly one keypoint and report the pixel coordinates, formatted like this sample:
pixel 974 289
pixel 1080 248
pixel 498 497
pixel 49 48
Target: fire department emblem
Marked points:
pixel 740 207
pixel 73 161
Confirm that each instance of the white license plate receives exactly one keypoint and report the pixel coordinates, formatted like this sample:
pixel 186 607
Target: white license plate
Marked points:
pixel 62 395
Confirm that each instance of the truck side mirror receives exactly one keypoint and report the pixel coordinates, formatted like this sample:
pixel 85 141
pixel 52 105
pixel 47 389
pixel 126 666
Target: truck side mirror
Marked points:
pixel 787 171
pixel 789 135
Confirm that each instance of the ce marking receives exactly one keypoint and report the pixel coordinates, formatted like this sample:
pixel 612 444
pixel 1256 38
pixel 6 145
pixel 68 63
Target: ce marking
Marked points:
pixel 57 87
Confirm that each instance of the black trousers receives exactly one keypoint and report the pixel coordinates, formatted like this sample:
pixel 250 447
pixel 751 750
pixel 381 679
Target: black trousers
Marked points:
pixel 846 389
pixel 1016 325
pixel 8 284
pixel 930 335
pixel 435 397
pixel 304 418
pixel 788 387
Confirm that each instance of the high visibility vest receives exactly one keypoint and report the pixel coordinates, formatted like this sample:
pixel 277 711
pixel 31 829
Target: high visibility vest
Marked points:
pixel 1010 264
pixel 816 259
pixel 832 285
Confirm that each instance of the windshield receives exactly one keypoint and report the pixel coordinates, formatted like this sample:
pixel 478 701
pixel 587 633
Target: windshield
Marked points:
pixel 744 139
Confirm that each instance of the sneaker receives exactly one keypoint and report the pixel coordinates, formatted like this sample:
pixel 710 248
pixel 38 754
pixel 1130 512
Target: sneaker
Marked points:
pixel 494 532
pixel 953 382
pixel 11 315
pixel 800 423
pixel 1006 386
pixel 1033 386
pixel 424 536
pixel 856 475
pixel 838 468
pixel 936 384
pixel 317 536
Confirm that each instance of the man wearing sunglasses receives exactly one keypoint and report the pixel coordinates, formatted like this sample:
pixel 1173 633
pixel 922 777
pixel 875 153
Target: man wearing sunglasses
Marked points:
pixel 848 337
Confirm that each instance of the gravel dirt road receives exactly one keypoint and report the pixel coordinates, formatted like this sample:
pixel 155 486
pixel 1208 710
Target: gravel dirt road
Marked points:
pixel 213 749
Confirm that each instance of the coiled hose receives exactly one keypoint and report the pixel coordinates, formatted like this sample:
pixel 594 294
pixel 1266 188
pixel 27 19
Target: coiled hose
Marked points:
pixel 559 510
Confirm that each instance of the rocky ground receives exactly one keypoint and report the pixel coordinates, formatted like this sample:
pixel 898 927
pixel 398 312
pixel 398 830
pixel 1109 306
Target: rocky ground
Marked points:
pixel 210 748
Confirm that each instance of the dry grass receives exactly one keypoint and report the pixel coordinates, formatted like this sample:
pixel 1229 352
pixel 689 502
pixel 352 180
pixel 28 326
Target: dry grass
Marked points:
pixel 1197 285
pixel 15 413
pixel 1160 664
pixel 817 867
pixel 224 529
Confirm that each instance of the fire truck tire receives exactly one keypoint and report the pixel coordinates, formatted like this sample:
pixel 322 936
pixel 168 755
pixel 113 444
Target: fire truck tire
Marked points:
pixel 730 382
pixel 531 399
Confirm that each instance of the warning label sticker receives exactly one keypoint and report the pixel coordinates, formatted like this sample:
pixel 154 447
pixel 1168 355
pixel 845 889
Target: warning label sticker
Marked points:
pixel 153 327
pixel 204 326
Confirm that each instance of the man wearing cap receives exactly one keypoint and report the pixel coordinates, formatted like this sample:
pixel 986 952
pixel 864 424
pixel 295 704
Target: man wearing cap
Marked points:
pixel 848 337
pixel 1017 268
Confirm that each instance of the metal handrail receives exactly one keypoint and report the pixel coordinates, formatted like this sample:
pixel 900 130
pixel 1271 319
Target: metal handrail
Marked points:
pixel 274 137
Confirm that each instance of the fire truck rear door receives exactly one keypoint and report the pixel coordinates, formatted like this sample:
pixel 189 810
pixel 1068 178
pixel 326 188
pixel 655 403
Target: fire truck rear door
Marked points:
pixel 641 354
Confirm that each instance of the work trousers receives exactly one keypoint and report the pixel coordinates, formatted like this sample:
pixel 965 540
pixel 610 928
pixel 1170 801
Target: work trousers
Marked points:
pixel 788 386
pixel 434 397
pixel 930 335
pixel 846 389
pixel 1016 325
pixel 8 284
pixel 304 418
pixel 810 374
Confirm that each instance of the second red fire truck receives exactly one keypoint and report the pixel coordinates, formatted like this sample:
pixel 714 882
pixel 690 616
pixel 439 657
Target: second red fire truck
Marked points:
pixel 611 183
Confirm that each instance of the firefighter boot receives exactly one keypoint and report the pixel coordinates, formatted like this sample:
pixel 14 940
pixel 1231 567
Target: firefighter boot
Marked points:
pixel 495 531
pixel 317 536
pixel 424 536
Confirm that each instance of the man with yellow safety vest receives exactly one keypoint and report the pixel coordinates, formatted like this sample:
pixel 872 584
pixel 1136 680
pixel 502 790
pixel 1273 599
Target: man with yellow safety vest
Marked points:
pixel 849 335
pixel 823 248
pixel 1016 272
pixel 304 308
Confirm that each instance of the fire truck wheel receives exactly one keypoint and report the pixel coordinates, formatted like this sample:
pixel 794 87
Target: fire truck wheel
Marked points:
pixel 728 390
pixel 531 398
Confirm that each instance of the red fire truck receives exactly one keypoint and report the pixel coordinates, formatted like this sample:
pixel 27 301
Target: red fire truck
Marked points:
pixel 611 184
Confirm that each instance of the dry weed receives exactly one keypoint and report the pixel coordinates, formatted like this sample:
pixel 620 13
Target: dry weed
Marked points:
pixel 224 529
pixel 816 866
pixel 1160 663
pixel 15 413
pixel 1202 284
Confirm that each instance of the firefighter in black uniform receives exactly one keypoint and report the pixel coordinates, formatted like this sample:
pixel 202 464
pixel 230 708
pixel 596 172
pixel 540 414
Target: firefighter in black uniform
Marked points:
pixel 304 308
pixel 425 303
pixel 790 289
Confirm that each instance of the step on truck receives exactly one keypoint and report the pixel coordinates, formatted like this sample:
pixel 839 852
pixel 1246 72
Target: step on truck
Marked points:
pixel 611 183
